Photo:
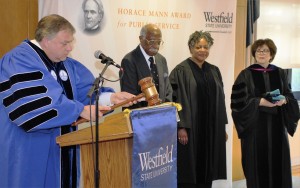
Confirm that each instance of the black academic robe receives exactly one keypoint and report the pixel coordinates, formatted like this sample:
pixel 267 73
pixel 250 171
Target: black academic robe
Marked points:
pixel 203 115
pixel 263 130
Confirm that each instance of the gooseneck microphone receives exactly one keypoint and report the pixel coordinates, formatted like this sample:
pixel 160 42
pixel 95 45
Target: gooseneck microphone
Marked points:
pixel 99 55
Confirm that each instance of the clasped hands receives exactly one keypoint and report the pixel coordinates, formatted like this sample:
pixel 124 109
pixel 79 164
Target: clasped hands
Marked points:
pixel 272 99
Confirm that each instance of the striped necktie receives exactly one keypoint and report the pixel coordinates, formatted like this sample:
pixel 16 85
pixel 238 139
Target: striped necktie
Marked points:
pixel 154 73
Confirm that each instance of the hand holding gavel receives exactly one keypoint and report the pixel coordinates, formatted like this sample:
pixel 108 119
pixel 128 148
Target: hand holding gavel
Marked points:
pixel 148 91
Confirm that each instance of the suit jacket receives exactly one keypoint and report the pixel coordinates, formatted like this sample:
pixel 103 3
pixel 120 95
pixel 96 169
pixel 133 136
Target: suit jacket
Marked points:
pixel 136 68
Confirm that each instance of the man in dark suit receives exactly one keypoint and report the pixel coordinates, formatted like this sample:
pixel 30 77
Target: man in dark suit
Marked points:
pixel 136 66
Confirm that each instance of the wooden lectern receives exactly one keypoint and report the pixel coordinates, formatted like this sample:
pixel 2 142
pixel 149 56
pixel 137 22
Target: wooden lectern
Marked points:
pixel 115 151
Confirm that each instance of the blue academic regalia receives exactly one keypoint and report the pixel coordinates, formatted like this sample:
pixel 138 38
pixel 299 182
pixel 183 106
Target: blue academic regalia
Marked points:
pixel 35 103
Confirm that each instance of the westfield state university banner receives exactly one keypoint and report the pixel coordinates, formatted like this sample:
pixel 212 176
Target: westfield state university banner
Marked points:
pixel 154 156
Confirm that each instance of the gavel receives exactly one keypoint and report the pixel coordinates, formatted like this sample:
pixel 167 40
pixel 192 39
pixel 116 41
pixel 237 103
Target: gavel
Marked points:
pixel 148 91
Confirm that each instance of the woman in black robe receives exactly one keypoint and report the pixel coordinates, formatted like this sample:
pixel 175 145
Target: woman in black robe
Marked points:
pixel 198 87
pixel 264 110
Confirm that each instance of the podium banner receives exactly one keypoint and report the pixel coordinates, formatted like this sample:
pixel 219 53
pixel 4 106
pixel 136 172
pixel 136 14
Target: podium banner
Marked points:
pixel 154 160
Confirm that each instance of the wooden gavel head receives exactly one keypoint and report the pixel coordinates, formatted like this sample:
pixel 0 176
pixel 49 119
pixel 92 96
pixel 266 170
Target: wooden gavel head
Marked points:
pixel 149 90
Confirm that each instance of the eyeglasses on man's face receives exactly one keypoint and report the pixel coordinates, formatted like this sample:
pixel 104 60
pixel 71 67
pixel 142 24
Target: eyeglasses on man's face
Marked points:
pixel 154 42
pixel 264 51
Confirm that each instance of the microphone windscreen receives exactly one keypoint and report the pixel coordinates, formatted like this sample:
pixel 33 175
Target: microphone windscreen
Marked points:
pixel 97 54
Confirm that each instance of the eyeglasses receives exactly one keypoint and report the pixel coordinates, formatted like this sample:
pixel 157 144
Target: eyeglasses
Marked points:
pixel 153 42
pixel 265 51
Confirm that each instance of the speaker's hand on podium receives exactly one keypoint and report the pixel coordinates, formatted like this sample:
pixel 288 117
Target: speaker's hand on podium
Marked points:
pixel 119 99
pixel 89 112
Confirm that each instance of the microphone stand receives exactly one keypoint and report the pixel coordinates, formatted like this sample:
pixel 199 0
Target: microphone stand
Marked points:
pixel 95 88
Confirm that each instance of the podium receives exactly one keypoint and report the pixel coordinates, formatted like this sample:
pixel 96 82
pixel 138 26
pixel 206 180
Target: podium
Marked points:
pixel 115 151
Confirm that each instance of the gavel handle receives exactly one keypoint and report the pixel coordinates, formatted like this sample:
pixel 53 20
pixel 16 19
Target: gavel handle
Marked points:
pixel 104 112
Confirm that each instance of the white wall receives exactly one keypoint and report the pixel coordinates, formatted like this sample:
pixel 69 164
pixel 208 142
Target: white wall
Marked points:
pixel 280 21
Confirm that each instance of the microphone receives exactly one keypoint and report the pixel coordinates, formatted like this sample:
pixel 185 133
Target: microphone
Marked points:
pixel 99 55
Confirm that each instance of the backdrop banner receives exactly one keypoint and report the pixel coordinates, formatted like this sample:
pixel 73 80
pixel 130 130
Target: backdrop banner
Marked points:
pixel 154 156
pixel 177 19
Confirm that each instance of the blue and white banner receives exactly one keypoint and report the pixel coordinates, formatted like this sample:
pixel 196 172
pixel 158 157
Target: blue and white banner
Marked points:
pixel 154 160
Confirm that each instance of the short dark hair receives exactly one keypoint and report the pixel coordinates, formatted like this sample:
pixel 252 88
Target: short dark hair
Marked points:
pixel 271 45
pixel 197 35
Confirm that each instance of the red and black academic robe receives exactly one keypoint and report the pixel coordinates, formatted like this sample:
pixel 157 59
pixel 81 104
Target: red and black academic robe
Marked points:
pixel 263 131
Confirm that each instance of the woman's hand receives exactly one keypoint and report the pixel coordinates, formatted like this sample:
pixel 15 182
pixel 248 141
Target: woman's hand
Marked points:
pixel 182 136
pixel 266 103
pixel 281 102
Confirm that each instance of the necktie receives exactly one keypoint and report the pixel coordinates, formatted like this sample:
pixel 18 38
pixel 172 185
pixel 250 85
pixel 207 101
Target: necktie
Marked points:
pixel 154 73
